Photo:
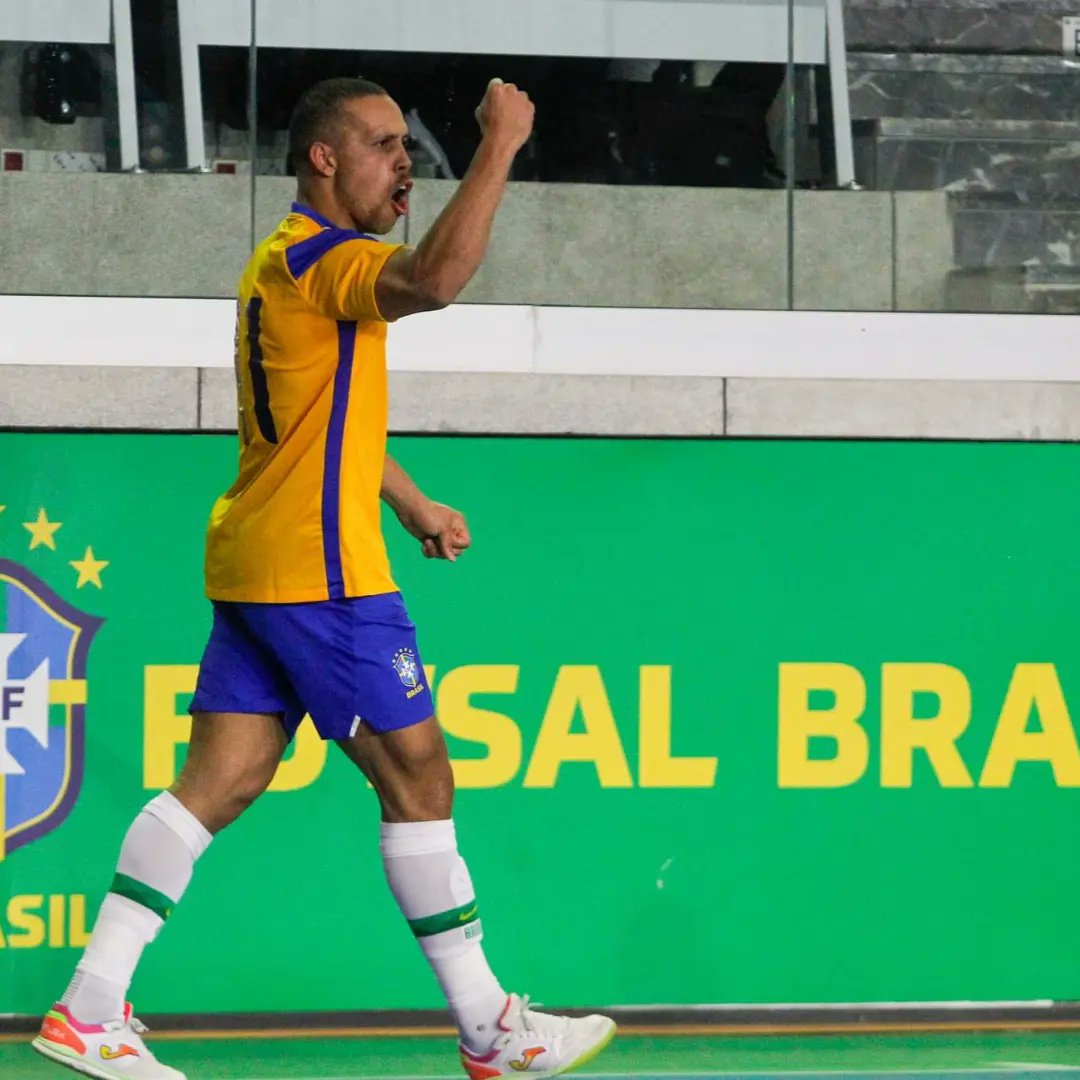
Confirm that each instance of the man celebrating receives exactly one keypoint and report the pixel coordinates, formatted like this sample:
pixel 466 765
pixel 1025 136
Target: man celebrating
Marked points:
pixel 307 618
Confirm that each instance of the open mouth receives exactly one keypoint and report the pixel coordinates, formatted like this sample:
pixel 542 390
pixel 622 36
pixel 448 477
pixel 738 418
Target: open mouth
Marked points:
pixel 399 200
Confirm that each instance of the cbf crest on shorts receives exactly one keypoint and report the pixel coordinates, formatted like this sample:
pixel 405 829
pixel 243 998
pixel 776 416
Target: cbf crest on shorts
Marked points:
pixel 44 644
pixel 407 668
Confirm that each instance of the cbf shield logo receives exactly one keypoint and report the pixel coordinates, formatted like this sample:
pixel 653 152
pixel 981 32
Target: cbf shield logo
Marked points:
pixel 44 643
pixel 406 667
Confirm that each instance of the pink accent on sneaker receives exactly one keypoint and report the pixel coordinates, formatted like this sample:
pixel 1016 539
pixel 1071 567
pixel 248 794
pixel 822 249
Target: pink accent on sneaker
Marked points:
pixel 506 1009
pixel 86 1029
pixel 491 1055
pixel 89 1029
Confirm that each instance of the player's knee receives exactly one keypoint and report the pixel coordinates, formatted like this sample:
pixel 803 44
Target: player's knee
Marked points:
pixel 246 792
pixel 425 789
pixel 218 796
pixel 409 752
pixel 427 756
pixel 427 763
pixel 222 806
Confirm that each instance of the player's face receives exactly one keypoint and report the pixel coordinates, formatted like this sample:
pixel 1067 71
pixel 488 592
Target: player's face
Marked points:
pixel 372 178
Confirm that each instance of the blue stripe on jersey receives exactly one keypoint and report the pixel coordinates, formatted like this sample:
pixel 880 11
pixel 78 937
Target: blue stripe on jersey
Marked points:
pixel 335 438
pixel 259 390
pixel 303 256
pixel 300 208
pixel 326 223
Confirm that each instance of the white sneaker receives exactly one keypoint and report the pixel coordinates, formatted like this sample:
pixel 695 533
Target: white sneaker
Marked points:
pixel 538 1044
pixel 112 1051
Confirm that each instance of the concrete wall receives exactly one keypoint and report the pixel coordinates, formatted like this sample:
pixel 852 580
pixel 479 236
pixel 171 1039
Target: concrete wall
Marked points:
pixel 194 399
pixel 170 235
pixel 579 244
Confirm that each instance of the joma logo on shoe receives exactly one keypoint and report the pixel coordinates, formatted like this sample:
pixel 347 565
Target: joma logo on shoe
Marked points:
pixel 123 1050
pixel 527 1058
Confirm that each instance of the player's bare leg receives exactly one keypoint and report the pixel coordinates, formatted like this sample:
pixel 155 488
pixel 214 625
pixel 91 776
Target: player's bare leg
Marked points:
pixel 409 769
pixel 231 760
pixel 232 757
pixel 500 1035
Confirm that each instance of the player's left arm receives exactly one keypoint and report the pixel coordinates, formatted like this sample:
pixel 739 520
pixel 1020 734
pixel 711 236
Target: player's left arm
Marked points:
pixel 441 530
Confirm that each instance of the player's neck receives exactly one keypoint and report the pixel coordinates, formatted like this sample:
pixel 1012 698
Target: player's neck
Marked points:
pixel 324 204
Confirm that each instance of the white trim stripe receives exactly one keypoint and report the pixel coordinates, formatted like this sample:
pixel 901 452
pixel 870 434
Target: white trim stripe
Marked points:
pixel 155 332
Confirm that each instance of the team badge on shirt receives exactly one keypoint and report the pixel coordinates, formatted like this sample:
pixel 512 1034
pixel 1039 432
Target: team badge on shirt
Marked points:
pixel 407 669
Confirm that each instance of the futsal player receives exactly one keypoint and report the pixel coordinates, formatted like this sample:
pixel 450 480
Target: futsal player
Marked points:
pixel 306 615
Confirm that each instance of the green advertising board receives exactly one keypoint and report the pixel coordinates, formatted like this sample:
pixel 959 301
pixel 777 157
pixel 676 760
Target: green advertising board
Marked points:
pixel 732 722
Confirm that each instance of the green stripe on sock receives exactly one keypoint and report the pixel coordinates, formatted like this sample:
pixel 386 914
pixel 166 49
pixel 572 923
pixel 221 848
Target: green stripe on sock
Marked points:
pixel 157 902
pixel 445 920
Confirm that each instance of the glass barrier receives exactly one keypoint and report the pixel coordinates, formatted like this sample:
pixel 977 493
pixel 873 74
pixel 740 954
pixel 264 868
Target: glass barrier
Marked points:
pixel 654 175
pixel 816 154
pixel 101 138
pixel 967 148
pixel 59 112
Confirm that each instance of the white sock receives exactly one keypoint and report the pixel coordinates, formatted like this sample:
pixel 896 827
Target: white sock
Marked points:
pixel 155 866
pixel 431 884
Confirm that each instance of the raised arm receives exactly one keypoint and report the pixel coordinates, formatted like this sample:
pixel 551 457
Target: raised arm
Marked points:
pixel 432 274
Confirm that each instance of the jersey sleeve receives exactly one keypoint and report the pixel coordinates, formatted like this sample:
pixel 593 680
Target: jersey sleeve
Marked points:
pixel 336 271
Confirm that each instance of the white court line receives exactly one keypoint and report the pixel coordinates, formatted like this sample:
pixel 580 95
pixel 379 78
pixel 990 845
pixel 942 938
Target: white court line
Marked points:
pixel 1003 1068
pixel 818 1006
pixel 1039 1066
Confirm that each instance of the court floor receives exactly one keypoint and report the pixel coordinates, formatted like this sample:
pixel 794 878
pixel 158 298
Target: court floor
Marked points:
pixel 981 1056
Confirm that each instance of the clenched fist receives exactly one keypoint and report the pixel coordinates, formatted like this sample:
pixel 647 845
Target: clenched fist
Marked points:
pixel 506 114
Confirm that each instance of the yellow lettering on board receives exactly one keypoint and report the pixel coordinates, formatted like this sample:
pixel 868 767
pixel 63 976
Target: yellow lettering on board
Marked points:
pixel 80 935
pixel 496 731
pixel 657 766
pixel 578 687
pixel 57 910
pixel 1033 686
pixel 798 724
pixel 21 915
pixel 164 729
pixel 902 734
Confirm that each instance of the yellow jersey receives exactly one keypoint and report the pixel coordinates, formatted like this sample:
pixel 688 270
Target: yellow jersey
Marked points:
pixel 302 521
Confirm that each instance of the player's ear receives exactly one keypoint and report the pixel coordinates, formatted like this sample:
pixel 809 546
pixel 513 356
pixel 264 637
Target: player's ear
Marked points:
pixel 323 159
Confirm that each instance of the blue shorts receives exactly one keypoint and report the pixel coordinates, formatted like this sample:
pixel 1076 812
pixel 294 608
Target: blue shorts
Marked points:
pixel 342 661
